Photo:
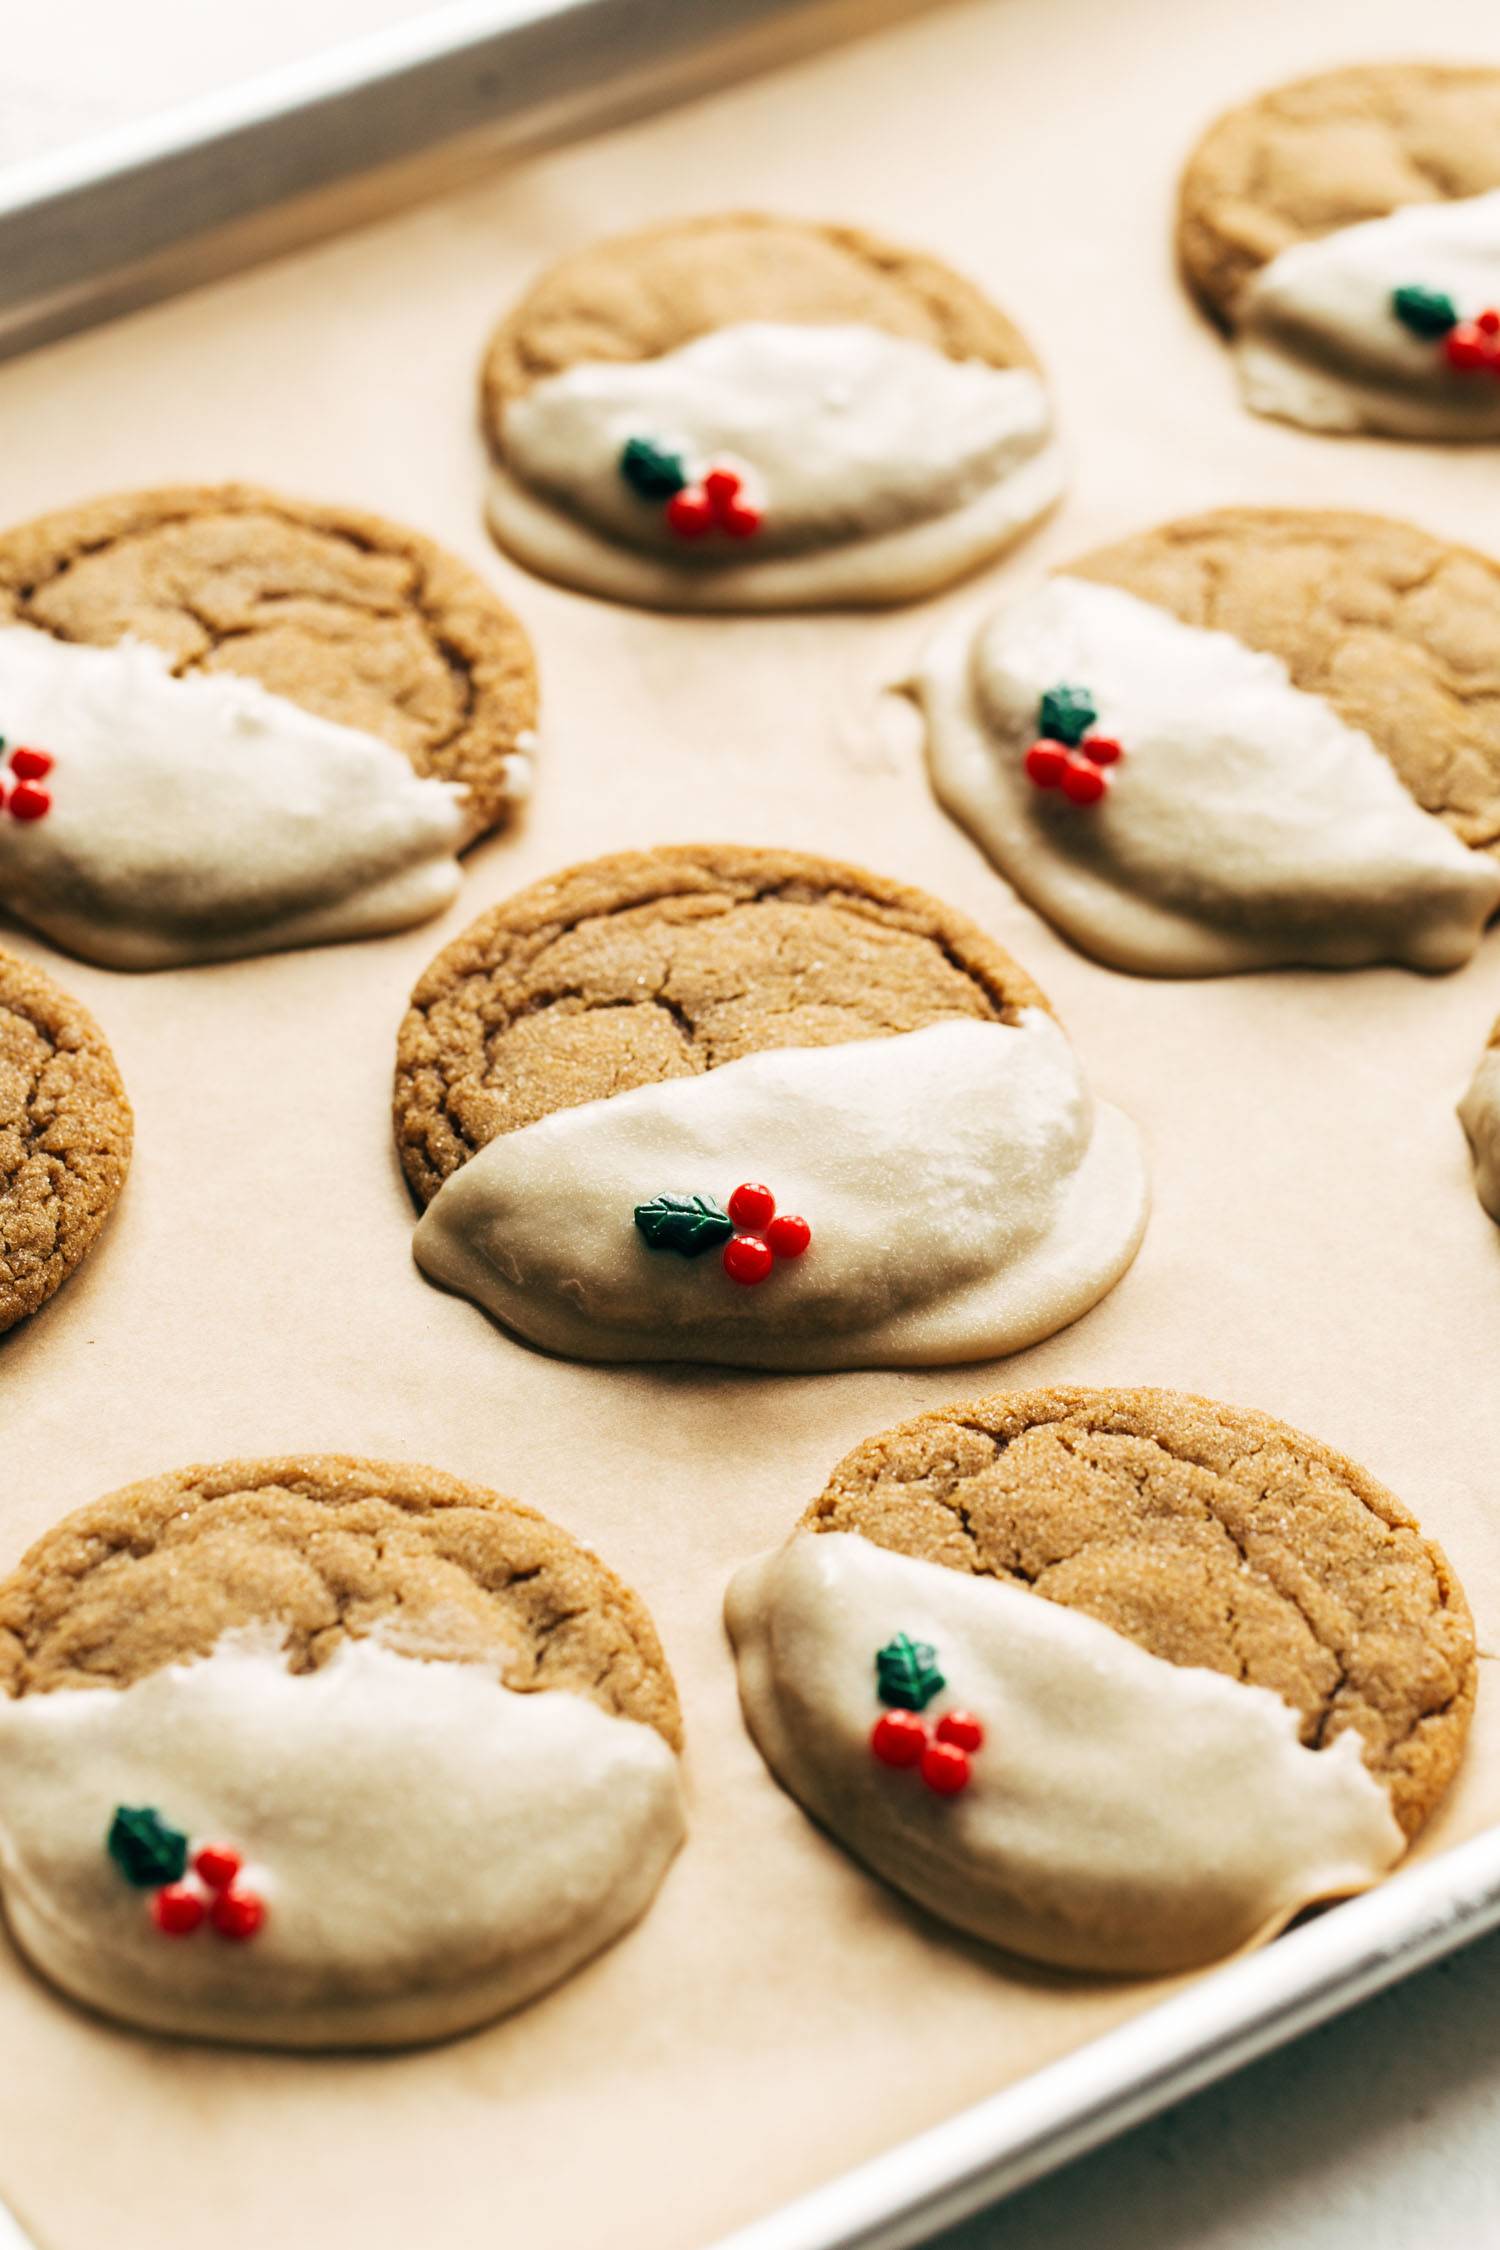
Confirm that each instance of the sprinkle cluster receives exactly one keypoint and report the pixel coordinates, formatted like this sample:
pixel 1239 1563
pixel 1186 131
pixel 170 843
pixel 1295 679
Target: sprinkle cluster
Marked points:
pixel 185 1893
pixel 751 1234
pixel 21 794
pixel 693 506
pixel 1471 347
pixel 906 1679
pixel 1066 754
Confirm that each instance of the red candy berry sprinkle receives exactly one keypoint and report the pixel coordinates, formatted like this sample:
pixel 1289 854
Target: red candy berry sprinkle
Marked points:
pixel 689 513
pixel 898 1738
pixel 217 1865
pixel 237 1914
pixel 1083 784
pixel 1047 762
pixel 1077 772
pixel 717 503
pixel 962 1729
pixel 748 1260
pixel 788 1236
pixel 945 1768
pixel 177 1909
pixel 30 765
pixel 752 1207
pixel 1467 347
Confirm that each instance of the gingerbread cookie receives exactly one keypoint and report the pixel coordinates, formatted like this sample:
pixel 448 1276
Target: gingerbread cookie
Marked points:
pixel 757 1108
pixel 745 412
pixel 1248 739
pixel 1119 1680
pixel 1346 231
pixel 234 723
pixel 325 1752
pixel 65 1136
pixel 1479 1114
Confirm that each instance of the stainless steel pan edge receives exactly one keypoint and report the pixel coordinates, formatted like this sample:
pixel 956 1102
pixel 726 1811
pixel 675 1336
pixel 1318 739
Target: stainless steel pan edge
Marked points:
pixel 1215 2027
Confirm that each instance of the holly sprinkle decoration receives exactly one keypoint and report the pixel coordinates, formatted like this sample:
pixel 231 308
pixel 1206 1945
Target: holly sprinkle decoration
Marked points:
pixel 1066 755
pixel 184 1895
pixel 907 1676
pixel 753 1233
pixel 21 793
pixel 1468 346
pixel 714 501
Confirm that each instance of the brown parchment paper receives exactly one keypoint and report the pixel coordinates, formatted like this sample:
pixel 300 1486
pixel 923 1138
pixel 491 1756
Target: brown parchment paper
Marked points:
pixel 1316 1248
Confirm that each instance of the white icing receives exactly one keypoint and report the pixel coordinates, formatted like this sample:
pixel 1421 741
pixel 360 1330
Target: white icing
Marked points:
pixel 1479 1112
pixel 1318 343
pixel 966 1197
pixel 884 468
pixel 1247 826
pixel 433 1848
pixel 1123 1814
pixel 200 818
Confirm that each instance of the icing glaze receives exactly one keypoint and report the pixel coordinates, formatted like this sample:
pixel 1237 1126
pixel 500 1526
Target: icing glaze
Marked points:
pixel 200 818
pixel 966 1197
pixel 883 468
pixel 432 1848
pixel 1247 826
pixel 1317 342
pixel 1479 1112
pixel 1125 1814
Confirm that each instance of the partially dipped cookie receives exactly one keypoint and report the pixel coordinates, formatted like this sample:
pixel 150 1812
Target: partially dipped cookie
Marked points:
pixel 234 723
pixel 1346 231
pixel 748 412
pixel 1248 739
pixel 758 1108
pixel 1117 1680
pixel 325 1752
pixel 65 1136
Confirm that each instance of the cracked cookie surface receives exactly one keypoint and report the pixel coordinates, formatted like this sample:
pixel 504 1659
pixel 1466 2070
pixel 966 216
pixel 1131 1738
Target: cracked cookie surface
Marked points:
pixel 65 1136
pixel 1210 1535
pixel 1328 152
pixel 652 965
pixel 1398 631
pixel 639 295
pixel 354 618
pixel 330 1548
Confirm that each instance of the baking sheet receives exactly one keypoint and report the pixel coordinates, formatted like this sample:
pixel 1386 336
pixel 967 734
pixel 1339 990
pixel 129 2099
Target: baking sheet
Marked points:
pixel 1316 1248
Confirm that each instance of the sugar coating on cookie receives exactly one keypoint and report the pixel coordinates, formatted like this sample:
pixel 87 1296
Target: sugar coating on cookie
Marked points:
pixel 1479 1114
pixel 65 1136
pixel 1117 1680
pixel 1346 229
pixel 1248 739
pixel 760 1109
pixel 234 723
pixel 747 412
pixel 323 1751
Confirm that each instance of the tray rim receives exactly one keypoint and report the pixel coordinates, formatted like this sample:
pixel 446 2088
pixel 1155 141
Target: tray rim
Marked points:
pixel 356 108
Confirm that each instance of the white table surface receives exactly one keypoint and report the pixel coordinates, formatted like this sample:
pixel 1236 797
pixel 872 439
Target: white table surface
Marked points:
pixel 1380 2130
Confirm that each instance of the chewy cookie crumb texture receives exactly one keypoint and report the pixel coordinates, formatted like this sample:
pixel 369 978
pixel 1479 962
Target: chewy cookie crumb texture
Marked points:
pixel 907 1679
pixel 185 1891
pixel 21 793
pixel 752 1233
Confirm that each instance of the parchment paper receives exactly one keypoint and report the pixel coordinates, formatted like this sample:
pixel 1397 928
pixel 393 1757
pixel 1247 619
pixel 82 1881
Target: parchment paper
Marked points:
pixel 1316 1248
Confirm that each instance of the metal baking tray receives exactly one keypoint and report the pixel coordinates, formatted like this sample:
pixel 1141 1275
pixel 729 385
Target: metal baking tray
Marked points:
pixel 194 192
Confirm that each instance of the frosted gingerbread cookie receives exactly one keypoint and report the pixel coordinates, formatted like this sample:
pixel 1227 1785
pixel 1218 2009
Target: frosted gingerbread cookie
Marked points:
pixel 1345 230
pixel 745 412
pixel 235 723
pixel 1252 738
pixel 65 1136
pixel 1118 1680
pixel 752 1107
pixel 1479 1114
pixel 325 1752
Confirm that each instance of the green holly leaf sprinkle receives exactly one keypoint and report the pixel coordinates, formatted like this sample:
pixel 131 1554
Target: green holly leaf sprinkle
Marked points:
pixel 688 1224
pixel 1426 312
pixel 147 1852
pixel 1067 714
pixel 651 470
pixel 906 1673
